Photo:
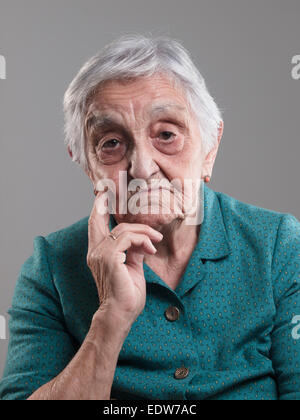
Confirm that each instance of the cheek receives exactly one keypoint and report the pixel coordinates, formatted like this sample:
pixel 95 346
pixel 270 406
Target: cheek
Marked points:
pixel 98 173
pixel 101 171
pixel 185 165
pixel 105 176
pixel 186 169
pixel 192 159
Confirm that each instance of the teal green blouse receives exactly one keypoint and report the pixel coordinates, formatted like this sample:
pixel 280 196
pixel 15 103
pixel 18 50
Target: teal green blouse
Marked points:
pixel 237 333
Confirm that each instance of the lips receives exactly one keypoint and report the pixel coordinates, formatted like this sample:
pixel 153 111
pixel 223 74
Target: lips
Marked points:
pixel 150 190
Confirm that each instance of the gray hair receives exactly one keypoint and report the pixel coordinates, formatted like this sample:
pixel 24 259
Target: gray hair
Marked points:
pixel 134 56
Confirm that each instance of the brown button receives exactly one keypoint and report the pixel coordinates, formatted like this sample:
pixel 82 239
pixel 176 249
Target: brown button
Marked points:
pixel 181 372
pixel 172 313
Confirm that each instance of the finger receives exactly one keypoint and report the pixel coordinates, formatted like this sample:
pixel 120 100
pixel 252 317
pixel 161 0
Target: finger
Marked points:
pixel 137 228
pixel 135 258
pixel 134 240
pixel 98 224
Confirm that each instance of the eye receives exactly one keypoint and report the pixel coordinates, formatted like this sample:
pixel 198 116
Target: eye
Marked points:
pixel 166 135
pixel 110 150
pixel 110 144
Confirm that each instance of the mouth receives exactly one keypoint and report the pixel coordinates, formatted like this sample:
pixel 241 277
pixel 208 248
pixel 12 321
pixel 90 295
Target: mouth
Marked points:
pixel 149 191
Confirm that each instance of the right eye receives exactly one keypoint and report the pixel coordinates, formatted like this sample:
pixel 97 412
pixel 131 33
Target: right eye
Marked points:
pixel 110 144
pixel 111 150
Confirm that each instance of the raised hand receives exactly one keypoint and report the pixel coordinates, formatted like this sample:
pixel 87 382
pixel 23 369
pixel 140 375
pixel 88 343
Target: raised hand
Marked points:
pixel 121 286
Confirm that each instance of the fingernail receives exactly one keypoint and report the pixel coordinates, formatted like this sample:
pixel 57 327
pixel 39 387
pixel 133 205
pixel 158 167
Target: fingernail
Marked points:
pixel 154 249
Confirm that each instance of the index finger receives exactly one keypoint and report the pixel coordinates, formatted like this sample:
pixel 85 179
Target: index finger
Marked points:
pixel 98 224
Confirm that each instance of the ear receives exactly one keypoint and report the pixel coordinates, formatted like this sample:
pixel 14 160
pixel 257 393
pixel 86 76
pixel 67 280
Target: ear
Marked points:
pixel 210 158
pixel 220 130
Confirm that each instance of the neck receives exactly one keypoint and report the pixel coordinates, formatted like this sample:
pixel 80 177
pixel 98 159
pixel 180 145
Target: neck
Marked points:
pixel 179 240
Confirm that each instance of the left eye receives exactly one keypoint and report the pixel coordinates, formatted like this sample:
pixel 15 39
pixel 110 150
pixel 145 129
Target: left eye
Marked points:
pixel 166 135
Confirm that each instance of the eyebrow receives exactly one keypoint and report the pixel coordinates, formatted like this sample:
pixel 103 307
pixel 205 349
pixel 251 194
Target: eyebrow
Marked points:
pixel 105 120
pixel 100 121
pixel 164 107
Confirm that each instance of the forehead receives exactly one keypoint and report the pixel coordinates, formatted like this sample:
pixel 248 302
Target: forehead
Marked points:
pixel 152 94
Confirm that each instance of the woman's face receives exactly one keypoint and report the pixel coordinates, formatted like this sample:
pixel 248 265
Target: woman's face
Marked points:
pixel 146 128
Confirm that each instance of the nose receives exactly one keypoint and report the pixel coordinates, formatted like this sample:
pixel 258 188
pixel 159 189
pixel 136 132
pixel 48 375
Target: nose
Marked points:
pixel 141 163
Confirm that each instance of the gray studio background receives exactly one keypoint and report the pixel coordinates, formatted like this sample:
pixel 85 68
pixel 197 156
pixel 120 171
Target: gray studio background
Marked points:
pixel 244 50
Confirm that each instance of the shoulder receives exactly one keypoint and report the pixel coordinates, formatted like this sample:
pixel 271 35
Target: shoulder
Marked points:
pixel 66 244
pixel 76 230
pixel 237 210
pixel 57 257
pixel 269 229
pixel 66 247
pixel 240 213
pixel 72 239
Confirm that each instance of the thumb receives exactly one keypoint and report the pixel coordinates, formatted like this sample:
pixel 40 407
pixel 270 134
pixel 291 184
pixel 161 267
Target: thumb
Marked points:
pixel 98 224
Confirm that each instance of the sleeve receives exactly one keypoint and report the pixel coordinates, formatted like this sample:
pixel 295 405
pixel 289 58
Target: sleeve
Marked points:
pixel 39 345
pixel 285 351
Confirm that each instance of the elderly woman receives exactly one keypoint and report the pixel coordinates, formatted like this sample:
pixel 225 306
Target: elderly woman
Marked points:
pixel 199 299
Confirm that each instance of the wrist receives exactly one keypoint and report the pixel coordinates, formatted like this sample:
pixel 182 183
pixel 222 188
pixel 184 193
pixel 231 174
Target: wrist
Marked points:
pixel 110 314
pixel 109 326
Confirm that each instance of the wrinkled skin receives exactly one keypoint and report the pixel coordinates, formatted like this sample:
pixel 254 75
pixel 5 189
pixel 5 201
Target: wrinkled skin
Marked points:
pixel 150 142
pixel 144 150
pixel 142 146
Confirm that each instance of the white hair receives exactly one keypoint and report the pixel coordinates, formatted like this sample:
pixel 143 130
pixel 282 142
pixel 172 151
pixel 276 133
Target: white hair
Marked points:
pixel 133 56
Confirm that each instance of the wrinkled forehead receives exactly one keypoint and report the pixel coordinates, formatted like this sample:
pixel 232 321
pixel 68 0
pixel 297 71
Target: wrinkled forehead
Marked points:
pixel 98 117
pixel 147 96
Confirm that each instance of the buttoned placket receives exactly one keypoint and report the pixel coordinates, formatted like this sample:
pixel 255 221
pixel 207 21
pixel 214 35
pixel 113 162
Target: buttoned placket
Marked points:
pixel 207 247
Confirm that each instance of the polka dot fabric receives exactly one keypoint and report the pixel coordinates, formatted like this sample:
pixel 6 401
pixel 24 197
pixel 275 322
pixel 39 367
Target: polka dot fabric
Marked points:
pixel 238 302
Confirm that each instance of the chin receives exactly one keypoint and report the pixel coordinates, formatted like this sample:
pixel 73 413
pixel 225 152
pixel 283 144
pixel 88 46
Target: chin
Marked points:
pixel 153 220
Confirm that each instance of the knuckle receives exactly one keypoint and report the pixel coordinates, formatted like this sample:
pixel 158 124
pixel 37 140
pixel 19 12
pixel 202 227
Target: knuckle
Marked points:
pixel 138 236
pixel 149 229
pixel 95 256
pixel 100 257
pixel 123 234
pixel 120 228
pixel 144 237
pixel 90 224
pixel 89 260
pixel 128 229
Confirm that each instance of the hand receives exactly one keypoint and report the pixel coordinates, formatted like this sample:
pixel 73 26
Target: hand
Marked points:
pixel 121 286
